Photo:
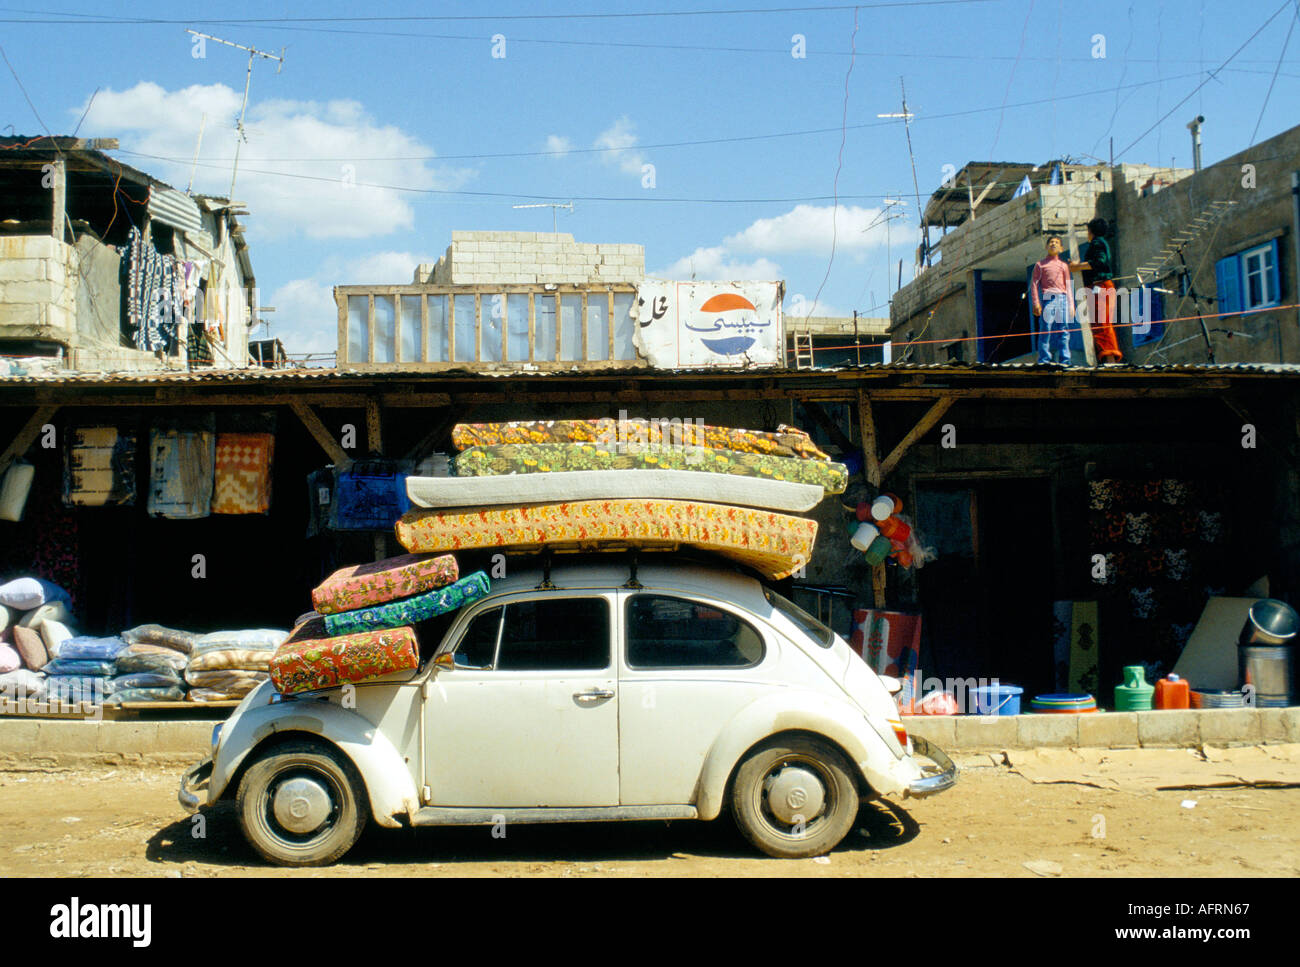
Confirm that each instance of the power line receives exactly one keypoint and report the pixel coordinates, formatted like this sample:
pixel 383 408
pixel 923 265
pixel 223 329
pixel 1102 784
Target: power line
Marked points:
pixel 1207 80
pixel 463 18
pixel 1285 44
pixel 685 144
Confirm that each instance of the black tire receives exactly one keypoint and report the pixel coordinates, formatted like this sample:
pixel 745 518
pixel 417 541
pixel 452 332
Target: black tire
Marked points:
pixel 330 771
pixel 819 833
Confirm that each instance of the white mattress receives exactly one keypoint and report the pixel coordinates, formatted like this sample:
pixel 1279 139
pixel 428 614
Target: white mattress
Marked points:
pixel 716 488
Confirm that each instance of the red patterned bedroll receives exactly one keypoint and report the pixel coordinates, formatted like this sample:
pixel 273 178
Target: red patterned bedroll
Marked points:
pixel 304 664
pixel 365 585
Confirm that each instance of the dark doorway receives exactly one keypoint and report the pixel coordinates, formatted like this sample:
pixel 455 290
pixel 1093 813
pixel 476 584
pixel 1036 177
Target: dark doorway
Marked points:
pixel 987 598
pixel 1004 321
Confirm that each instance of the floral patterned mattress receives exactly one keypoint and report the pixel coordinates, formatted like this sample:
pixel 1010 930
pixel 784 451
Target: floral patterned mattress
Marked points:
pixel 409 611
pixel 786 442
pixel 306 662
pixel 542 457
pixel 776 545
pixel 364 585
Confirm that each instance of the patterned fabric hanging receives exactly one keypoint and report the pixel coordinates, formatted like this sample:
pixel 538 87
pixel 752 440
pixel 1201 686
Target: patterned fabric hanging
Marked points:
pixel 155 295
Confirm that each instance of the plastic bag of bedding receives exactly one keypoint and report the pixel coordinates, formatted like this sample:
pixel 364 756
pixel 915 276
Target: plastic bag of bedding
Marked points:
pixel 173 694
pixel 157 659
pixel 75 689
pixel 88 648
pixel 256 639
pixel 22 685
pixel 213 695
pixel 84 668
pixel 228 659
pixel 241 681
pixel 134 680
pixel 182 641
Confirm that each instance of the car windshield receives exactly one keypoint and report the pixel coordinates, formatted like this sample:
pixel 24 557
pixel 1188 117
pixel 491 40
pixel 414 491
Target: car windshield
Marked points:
pixel 813 628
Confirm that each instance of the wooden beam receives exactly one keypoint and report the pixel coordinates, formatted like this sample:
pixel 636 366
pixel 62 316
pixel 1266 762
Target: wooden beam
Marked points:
pixel 320 434
pixel 822 418
pixel 27 435
pixel 932 416
pixel 374 427
pixel 870 445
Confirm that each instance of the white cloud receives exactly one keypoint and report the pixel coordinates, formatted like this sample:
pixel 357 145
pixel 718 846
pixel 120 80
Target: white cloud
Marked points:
pixel 808 229
pixel 324 198
pixel 618 139
pixel 306 317
pixel 558 144
pixel 716 263
pixel 799 304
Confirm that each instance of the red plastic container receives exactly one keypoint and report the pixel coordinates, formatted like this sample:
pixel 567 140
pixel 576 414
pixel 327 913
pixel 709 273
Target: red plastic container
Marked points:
pixel 1172 692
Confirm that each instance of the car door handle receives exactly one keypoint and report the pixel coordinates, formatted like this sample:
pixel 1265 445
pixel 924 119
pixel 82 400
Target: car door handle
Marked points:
pixel 592 694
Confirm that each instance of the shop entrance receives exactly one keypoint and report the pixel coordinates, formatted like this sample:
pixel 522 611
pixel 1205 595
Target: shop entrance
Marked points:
pixel 986 600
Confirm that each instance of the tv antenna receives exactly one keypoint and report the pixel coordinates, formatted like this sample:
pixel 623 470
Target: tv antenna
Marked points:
pixel 553 206
pixel 907 117
pixel 253 54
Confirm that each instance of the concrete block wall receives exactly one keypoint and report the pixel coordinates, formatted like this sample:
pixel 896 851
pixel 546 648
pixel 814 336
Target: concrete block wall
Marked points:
pixel 38 288
pixel 520 258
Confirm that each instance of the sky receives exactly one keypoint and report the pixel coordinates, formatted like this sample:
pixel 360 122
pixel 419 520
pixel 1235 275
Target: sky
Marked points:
pixel 730 140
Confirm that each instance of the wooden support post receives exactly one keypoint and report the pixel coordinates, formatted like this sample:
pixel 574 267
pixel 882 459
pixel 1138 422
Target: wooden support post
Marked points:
pixel 871 470
pixel 374 431
pixel 27 435
pixel 320 434
pixel 932 416
pixel 59 193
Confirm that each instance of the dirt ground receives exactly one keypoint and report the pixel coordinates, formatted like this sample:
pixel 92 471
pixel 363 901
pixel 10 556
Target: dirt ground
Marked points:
pixel 125 821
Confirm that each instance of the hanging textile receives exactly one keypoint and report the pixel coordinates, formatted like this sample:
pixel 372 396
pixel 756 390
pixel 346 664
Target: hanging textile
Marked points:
pixel 99 467
pixel 181 472
pixel 155 303
pixel 243 477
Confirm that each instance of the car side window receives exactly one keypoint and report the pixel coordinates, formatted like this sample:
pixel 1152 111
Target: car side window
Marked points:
pixel 478 646
pixel 555 634
pixel 671 632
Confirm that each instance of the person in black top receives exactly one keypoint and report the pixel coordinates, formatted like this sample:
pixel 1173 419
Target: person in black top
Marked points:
pixel 1098 276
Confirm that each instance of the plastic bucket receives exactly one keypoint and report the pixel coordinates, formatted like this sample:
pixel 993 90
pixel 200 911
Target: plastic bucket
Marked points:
pixel 997 699
pixel 864 535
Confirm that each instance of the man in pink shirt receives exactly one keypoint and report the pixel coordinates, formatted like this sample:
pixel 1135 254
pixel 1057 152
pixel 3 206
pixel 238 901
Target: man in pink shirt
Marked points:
pixel 1052 294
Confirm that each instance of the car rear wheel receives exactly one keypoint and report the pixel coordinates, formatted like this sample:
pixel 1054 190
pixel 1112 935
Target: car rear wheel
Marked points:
pixel 794 797
pixel 302 805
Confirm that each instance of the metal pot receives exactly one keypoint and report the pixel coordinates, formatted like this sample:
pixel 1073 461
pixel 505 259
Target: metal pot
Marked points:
pixel 1269 622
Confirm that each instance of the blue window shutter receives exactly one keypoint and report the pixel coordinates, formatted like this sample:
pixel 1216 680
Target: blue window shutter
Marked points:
pixel 1274 279
pixel 1227 280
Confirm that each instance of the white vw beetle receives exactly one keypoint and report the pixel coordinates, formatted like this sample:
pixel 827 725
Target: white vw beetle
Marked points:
pixel 582 694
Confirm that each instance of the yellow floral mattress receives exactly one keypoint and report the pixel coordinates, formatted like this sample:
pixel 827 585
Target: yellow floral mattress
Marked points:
pixel 775 545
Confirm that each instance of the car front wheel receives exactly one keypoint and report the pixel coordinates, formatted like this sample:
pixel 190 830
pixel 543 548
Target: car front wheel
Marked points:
pixel 302 805
pixel 795 797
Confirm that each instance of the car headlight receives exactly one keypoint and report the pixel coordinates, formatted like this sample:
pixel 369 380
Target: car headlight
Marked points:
pixel 216 736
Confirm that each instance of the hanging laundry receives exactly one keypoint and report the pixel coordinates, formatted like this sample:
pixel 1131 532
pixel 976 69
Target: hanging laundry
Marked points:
pixel 99 467
pixel 243 475
pixel 155 295
pixel 182 473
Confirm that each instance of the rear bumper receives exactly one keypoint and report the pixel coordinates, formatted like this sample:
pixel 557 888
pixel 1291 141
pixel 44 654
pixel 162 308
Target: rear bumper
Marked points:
pixel 194 782
pixel 930 785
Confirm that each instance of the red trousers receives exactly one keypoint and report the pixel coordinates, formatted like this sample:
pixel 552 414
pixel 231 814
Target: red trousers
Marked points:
pixel 1103 327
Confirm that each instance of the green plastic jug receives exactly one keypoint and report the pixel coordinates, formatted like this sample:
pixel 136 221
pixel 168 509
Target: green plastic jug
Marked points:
pixel 1135 694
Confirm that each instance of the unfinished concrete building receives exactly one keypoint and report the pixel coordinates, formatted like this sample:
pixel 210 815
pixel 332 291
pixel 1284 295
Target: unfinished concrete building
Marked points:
pixel 1206 259
pixel 106 269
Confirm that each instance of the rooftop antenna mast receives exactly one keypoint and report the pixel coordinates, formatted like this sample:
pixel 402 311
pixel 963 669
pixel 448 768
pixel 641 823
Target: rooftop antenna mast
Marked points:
pixel 253 53
pixel 553 206
pixel 906 117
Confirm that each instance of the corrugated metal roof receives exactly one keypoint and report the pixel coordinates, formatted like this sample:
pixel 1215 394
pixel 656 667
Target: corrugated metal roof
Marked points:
pixel 300 376
pixel 174 208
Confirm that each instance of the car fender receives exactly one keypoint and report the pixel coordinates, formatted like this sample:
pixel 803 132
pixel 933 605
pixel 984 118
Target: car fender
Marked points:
pixel 801 711
pixel 388 781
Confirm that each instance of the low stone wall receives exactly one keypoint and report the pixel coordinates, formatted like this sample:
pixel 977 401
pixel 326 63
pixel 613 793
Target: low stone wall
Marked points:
pixel 1166 728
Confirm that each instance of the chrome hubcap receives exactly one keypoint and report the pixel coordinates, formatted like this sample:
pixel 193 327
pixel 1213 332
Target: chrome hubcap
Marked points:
pixel 301 805
pixel 795 794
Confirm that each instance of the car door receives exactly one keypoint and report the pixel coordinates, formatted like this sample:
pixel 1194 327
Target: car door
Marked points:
pixel 528 716
pixel 687 666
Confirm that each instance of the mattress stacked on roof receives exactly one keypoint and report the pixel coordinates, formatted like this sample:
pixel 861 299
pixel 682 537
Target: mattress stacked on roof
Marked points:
pixel 362 628
pixel 609 484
